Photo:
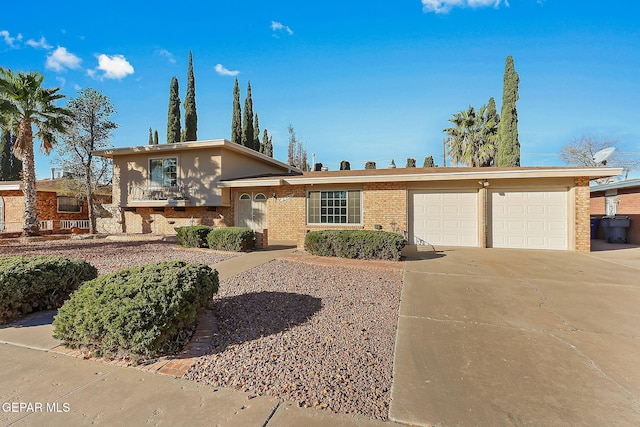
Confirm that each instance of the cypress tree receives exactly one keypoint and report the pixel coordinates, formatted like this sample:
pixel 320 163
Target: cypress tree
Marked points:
pixel 267 144
pixel 5 156
pixel 428 162
pixel 236 117
pixel 10 165
pixel 411 163
pixel 256 134
pixel 508 145
pixel 173 122
pixel 155 137
pixel 247 120
pixel 190 114
pixel 150 137
pixel 345 165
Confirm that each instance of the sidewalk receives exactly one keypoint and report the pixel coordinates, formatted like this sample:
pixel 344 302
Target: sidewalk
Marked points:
pixel 42 386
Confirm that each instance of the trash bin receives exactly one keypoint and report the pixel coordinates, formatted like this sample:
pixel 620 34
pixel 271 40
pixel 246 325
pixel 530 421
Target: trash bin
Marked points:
pixel 595 224
pixel 615 228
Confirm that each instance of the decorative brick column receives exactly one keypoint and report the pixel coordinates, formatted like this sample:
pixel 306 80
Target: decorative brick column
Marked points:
pixel 583 217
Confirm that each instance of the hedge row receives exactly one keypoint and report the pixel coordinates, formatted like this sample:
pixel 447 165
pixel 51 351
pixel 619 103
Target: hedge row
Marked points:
pixel 139 312
pixel 355 244
pixel 30 284
pixel 223 238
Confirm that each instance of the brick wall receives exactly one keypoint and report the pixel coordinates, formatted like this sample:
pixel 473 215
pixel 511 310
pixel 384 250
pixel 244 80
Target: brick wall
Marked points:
pixel 383 203
pixel 46 205
pixel 582 213
pixel 165 221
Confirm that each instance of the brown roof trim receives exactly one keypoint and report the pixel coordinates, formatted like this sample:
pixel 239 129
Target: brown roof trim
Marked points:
pixel 427 174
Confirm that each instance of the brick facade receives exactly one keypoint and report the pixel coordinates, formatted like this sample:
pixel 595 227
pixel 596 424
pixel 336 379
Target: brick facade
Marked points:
pixel 582 215
pixel 165 220
pixel 628 204
pixel 46 205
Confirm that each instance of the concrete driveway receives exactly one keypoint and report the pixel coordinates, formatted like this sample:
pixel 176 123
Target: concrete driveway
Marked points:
pixel 510 337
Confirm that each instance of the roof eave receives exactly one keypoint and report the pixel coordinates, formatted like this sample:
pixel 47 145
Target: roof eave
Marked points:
pixel 485 174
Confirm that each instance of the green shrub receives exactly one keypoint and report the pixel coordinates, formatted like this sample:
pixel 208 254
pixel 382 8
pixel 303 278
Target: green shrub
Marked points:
pixel 360 244
pixel 138 312
pixel 193 236
pixel 30 284
pixel 231 239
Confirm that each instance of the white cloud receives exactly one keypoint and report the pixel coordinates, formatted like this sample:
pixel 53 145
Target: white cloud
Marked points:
pixel 8 39
pixel 42 43
pixel 224 72
pixel 60 59
pixel 278 27
pixel 114 66
pixel 167 54
pixel 444 6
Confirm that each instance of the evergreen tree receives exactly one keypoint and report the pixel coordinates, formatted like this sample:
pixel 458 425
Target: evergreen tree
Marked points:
pixel 370 165
pixel 155 137
pixel 173 122
pixel 5 155
pixel 428 162
pixel 492 113
pixel 236 118
pixel 190 114
pixel 411 163
pixel 267 144
pixel 10 165
pixel 345 165
pixel 150 136
pixel 508 153
pixel 256 134
pixel 247 120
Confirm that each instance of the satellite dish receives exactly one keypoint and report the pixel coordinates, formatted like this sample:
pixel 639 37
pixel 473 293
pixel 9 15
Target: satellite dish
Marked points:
pixel 601 157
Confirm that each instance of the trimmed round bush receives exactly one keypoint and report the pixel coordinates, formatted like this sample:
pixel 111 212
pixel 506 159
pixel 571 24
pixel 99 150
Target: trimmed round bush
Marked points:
pixel 236 239
pixel 193 236
pixel 355 244
pixel 30 284
pixel 137 312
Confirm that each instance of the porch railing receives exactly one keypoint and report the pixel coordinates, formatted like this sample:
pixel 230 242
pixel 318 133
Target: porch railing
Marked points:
pixel 163 192
pixel 45 225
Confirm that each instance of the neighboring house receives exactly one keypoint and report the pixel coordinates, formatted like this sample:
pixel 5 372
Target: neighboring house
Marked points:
pixel 59 208
pixel 618 198
pixel 159 187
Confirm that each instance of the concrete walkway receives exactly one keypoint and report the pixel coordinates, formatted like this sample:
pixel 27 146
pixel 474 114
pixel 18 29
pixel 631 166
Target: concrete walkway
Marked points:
pixel 512 337
pixel 41 386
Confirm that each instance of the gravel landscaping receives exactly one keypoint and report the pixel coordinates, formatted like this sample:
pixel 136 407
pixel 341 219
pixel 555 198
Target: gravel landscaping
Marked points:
pixel 108 256
pixel 320 336
pixel 315 335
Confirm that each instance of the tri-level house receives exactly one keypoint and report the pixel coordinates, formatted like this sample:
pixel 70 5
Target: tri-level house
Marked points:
pixel 159 187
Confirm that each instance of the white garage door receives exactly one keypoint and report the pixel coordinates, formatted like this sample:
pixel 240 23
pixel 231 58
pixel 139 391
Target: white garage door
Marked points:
pixel 528 219
pixel 444 218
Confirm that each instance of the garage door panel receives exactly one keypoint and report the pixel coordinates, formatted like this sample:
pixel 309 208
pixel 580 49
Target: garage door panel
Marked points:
pixel 444 218
pixel 528 219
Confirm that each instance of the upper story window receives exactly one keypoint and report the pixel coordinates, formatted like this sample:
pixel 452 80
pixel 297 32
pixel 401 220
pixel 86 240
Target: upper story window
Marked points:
pixel 163 172
pixel 69 204
pixel 334 207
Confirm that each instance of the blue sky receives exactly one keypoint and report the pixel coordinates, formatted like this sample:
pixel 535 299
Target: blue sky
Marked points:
pixel 357 80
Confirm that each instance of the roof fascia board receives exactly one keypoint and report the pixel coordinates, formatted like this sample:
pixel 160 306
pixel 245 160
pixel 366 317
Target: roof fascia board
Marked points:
pixel 445 176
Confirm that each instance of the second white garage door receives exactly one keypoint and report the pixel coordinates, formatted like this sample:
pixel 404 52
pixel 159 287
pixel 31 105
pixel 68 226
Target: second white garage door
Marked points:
pixel 528 219
pixel 444 218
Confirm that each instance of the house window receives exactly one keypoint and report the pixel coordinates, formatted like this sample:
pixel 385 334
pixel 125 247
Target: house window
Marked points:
pixel 163 172
pixel 69 204
pixel 334 207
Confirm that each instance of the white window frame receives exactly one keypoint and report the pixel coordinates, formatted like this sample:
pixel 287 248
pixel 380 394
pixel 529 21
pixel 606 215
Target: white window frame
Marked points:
pixel 150 182
pixel 68 197
pixel 335 224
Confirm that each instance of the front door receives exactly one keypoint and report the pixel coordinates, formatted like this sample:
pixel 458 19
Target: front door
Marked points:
pixel 252 211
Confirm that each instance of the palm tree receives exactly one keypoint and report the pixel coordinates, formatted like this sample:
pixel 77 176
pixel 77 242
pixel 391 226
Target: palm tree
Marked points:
pixel 25 105
pixel 472 139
